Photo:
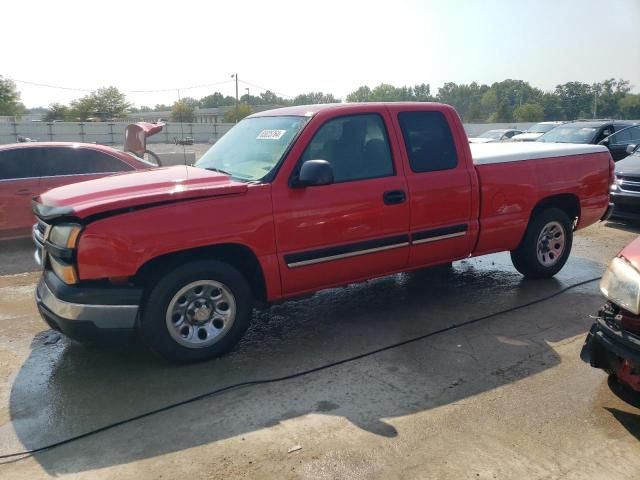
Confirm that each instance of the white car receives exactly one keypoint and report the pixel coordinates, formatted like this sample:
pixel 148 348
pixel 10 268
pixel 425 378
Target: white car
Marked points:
pixel 498 135
pixel 534 132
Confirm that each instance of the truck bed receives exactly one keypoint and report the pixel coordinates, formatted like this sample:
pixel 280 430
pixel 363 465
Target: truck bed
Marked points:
pixel 488 153
pixel 514 176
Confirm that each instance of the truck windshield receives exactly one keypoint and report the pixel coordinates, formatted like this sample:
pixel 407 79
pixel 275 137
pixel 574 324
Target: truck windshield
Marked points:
pixel 493 134
pixel 575 133
pixel 251 149
pixel 541 127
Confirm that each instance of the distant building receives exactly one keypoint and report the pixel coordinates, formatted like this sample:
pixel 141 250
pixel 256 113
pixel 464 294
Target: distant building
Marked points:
pixel 27 117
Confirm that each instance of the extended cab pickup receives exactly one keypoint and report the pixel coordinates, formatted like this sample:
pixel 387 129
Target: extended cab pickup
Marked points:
pixel 295 200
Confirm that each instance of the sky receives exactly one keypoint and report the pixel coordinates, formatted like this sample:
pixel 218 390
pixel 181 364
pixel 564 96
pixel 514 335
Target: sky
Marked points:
pixel 293 47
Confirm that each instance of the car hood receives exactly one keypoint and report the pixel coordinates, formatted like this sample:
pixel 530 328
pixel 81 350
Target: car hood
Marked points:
pixel 526 137
pixel 480 140
pixel 135 189
pixel 629 165
pixel 632 253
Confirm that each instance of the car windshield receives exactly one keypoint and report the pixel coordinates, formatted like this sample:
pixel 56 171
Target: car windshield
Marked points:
pixel 570 134
pixel 251 149
pixel 541 128
pixel 492 134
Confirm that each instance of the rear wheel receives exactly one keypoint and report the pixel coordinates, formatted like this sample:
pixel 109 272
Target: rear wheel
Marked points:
pixel 197 311
pixel 546 245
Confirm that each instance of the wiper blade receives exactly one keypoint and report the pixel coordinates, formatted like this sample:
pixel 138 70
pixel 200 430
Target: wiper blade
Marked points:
pixel 219 170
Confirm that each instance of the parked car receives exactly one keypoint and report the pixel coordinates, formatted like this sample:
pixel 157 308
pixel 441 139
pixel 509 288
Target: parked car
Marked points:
pixel 625 192
pixel 497 135
pixel 28 169
pixel 588 132
pixel 534 132
pixel 613 343
pixel 298 199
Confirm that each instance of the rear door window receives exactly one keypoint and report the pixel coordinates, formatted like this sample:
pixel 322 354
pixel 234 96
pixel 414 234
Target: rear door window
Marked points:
pixel 19 163
pixel 428 141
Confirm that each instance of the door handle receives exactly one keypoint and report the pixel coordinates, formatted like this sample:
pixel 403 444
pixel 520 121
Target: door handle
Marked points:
pixel 393 197
pixel 23 192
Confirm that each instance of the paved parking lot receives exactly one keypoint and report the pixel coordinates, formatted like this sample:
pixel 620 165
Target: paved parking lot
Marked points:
pixel 505 397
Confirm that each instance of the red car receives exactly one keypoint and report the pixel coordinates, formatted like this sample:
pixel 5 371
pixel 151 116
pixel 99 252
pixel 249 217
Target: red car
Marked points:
pixel 29 169
pixel 613 344
pixel 295 200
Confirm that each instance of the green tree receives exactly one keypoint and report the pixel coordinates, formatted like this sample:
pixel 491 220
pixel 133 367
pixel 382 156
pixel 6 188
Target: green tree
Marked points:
pixel 234 114
pixel 362 94
pixel 471 101
pixel 629 106
pixel 314 98
pixel 389 93
pixel 575 99
pixel 529 112
pixel 183 110
pixel 10 98
pixel 57 111
pixel 82 109
pixel 552 108
pixel 270 98
pixel 422 93
pixel 109 103
pixel 216 99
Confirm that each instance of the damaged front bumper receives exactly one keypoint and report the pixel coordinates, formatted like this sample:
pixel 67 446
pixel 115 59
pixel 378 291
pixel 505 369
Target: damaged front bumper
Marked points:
pixel 613 348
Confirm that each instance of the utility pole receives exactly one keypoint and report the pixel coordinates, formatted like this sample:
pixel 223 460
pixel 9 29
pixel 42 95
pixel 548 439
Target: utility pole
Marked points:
pixel 235 75
pixel 595 104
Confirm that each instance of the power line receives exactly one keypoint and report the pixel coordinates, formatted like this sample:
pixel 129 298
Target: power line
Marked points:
pixel 37 84
pixel 155 90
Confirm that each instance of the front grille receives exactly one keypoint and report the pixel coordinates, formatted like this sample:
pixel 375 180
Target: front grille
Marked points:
pixel 628 183
pixel 39 233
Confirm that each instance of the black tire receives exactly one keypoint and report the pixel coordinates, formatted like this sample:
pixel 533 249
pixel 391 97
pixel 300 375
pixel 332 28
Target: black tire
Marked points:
pixel 525 257
pixel 154 329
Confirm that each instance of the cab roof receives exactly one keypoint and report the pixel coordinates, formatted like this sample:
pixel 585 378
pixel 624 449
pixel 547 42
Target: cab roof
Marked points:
pixel 311 110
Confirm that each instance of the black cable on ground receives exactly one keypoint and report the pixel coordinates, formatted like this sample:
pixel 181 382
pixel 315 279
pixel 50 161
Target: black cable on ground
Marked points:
pixel 28 453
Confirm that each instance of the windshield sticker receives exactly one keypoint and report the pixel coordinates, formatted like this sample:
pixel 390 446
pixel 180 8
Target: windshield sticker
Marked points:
pixel 271 134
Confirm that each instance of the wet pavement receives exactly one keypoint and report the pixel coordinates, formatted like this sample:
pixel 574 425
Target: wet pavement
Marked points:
pixel 505 397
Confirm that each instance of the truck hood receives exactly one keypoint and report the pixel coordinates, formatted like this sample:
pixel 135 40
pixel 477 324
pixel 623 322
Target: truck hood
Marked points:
pixel 526 137
pixel 629 165
pixel 135 189
pixel 632 253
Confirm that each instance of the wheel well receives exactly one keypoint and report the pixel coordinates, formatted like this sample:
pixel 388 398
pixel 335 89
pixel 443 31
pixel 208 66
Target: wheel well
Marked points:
pixel 566 202
pixel 239 256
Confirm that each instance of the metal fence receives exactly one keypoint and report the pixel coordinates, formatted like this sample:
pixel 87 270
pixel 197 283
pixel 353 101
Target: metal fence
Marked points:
pixel 113 133
pixel 107 133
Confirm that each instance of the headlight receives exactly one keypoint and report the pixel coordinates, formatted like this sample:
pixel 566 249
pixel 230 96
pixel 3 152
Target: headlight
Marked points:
pixel 65 235
pixel 621 284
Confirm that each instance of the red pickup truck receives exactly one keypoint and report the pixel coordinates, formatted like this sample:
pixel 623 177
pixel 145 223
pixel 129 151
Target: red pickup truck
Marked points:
pixel 295 200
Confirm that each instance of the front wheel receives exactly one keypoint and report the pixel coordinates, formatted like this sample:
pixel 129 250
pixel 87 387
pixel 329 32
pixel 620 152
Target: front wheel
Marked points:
pixel 197 311
pixel 546 245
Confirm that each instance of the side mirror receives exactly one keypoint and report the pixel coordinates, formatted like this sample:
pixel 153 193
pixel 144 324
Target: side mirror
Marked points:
pixel 631 148
pixel 314 173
